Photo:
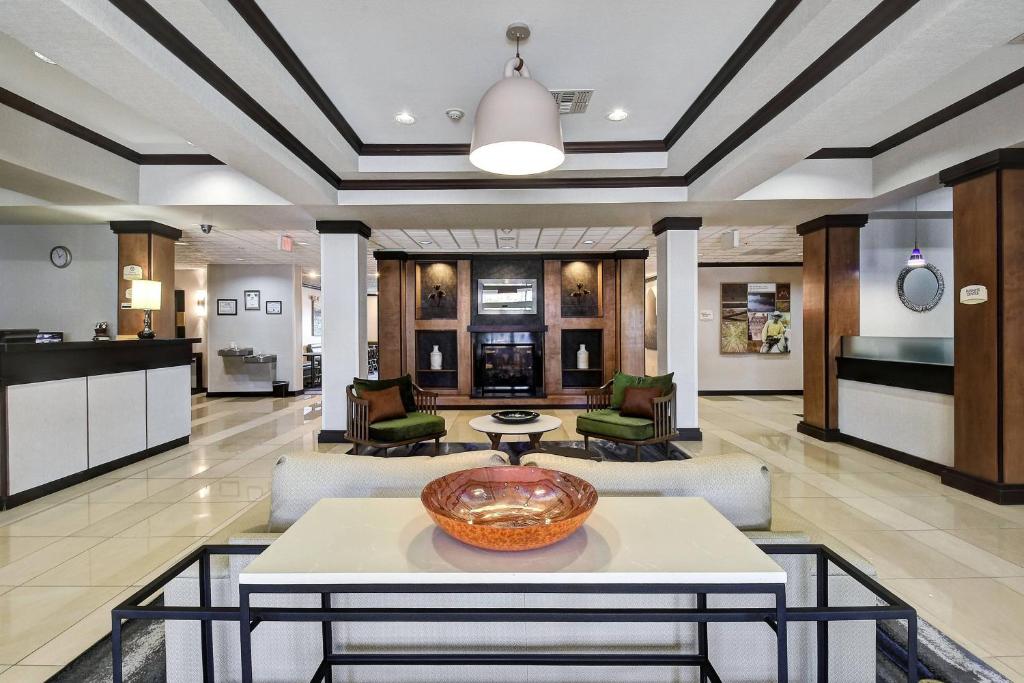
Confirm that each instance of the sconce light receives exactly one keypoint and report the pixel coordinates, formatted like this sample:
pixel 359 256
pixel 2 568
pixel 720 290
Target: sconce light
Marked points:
pixel 201 303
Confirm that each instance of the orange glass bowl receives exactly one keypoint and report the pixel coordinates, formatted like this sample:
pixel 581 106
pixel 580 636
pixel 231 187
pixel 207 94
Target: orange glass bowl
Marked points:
pixel 509 508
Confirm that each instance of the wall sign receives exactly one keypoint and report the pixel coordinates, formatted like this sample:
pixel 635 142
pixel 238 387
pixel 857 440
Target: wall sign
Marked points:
pixel 974 294
pixel 707 315
pixel 132 272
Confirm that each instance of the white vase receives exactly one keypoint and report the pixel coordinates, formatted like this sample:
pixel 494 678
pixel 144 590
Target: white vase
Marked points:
pixel 435 359
pixel 583 358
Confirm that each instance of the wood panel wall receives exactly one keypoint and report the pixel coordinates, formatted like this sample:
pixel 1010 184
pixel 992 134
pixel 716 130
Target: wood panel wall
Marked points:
pixel 155 253
pixel 621 299
pixel 976 329
pixel 831 310
pixel 390 328
pixel 631 322
pixel 1012 256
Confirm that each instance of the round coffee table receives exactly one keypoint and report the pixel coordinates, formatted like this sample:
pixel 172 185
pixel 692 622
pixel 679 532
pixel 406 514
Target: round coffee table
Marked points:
pixel 495 430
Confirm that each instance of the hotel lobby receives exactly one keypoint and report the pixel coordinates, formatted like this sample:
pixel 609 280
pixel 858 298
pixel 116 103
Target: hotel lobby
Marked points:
pixel 576 341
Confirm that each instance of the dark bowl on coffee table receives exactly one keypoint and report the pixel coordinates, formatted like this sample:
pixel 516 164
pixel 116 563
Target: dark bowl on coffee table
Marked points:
pixel 515 417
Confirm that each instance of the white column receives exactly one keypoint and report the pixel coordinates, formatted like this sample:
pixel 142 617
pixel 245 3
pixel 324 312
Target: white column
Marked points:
pixel 677 313
pixel 343 297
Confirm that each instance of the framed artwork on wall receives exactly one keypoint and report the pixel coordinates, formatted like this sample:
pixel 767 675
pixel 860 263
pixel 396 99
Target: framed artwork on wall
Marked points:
pixel 273 308
pixel 227 306
pixel 252 299
pixel 756 317
pixel 317 316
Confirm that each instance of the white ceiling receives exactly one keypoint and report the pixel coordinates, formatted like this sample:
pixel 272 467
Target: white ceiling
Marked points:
pixel 375 58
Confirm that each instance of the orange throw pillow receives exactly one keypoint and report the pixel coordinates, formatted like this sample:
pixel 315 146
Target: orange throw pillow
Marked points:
pixel 385 404
pixel 637 402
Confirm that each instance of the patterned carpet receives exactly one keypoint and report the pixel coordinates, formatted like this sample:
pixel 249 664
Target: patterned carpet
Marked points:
pixel 599 450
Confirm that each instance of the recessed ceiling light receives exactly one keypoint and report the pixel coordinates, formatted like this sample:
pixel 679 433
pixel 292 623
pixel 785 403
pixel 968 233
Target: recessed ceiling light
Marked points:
pixel 180 244
pixel 588 241
pixel 313 273
pixel 425 242
pixel 189 143
pixel 506 246
pixel 405 118
pixel 305 244
pixel 40 55
pixel 376 274
pixel 239 259
pixel 618 115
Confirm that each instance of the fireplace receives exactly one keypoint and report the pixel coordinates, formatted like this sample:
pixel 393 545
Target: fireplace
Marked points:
pixel 508 364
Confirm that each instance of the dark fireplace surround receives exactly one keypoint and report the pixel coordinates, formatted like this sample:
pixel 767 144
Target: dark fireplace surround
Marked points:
pixel 508 350
pixel 509 363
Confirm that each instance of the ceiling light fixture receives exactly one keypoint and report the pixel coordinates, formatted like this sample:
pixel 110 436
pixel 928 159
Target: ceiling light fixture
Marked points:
pixel 313 273
pixel 425 242
pixel 455 114
pixel 405 118
pixel 304 244
pixel 517 130
pixel 239 259
pixel 588 241
pixel 916 259
pixel 41 56
pixel 180 244
pixel 618 115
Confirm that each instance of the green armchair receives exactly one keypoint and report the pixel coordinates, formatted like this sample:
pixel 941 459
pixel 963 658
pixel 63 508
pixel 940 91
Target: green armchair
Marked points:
pixel 421 422
pixel 602 421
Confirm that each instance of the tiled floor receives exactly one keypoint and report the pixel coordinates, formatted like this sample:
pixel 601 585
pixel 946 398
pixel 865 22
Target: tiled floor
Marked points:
pixel 65 560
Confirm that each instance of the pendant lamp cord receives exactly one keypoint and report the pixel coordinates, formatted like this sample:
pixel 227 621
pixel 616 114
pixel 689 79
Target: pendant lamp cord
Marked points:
pixel 915 222
pixel 519 60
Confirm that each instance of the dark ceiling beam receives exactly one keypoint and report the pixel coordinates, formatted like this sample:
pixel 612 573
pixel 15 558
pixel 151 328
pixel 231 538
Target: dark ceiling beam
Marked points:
pixel 161 30
pixel 959 108
pixel 279 47
pixel 51 118
pixel 462 149
pixel 757 37
pixel 876 21
pixel 531 183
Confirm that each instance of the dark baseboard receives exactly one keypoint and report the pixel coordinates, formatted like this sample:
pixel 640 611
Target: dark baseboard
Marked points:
pixel 893 454
pixel 817 432
pixel 85 475
pixel 252 394
pixel 198 390
pixel 332 436
pixel 690 434
pixel 996 492
pixel 750 392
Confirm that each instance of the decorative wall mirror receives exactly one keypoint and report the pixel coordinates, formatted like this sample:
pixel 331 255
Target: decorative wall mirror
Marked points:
pixel 920 289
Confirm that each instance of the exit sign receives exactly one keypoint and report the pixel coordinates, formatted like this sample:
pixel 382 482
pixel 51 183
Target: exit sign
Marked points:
pixel 284 242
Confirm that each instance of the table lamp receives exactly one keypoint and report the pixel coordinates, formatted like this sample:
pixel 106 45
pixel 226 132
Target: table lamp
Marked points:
pixel 146 297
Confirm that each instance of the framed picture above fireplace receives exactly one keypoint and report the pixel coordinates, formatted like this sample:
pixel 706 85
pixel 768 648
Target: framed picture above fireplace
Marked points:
pixel 506 296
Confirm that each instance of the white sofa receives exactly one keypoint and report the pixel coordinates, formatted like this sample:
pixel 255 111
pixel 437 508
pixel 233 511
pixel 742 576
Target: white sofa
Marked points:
pixel 738 486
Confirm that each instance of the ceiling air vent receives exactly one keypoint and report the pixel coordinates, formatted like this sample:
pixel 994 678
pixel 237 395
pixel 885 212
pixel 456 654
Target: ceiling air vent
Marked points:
pixel 572 101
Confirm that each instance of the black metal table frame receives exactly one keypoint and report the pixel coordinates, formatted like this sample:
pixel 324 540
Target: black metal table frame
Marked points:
pixel 248 618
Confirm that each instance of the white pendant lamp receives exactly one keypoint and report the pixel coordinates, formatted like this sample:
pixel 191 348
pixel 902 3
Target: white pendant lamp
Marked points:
pixel 517 129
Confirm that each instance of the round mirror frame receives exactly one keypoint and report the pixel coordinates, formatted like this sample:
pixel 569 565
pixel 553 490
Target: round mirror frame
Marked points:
pixel 940 288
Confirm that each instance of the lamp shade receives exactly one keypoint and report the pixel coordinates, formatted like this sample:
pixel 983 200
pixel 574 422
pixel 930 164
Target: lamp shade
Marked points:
pixel 916 259
pixel 517 130
pixel 146 295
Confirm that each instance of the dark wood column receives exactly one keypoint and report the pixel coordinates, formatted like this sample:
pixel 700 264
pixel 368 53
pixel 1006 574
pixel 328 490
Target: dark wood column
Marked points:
pixel 150 245
pixel 988 398
pixel 831 295
pixel 391 329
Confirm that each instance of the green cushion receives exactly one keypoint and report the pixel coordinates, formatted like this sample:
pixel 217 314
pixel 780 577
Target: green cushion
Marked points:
pixel 404 384
pixel 608 422
pixel 411 426
pixel 621 381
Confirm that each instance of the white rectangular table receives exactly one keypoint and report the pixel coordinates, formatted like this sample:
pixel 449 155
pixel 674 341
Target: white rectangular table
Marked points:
pixel 628 545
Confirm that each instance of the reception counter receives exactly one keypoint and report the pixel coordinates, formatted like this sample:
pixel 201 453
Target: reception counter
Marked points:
pixel 896 398
pixel 72 411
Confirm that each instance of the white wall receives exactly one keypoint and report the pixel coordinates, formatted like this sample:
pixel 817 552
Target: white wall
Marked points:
pixel 719 371
pixel 193 282
pixel 71 300
pixel 885 244
pixel 748 371
pixel 278 334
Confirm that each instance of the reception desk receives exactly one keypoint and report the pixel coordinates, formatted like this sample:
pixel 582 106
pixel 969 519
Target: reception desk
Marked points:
pixel 72 411
pixel 896 398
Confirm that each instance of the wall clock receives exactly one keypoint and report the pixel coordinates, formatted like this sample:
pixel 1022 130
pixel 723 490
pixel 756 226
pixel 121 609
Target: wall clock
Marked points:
pixel 60 257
